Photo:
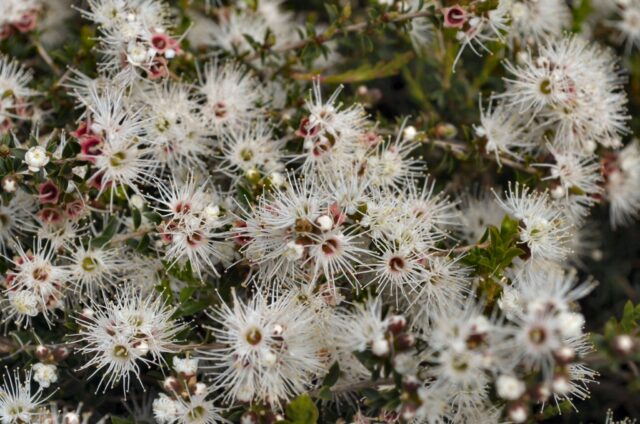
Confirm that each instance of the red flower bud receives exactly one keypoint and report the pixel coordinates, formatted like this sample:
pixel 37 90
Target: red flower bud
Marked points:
pixel 48 192
pixel 454 17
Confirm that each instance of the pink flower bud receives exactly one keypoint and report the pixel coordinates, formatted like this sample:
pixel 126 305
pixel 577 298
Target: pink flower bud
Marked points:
pixel 454 17
pixel 48 192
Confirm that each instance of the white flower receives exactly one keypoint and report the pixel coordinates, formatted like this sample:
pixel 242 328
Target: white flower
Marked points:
pixel 564 87
pixel 232 97
pixel 18 404
pixel 622 174
pixel 165 409
pixel 37 284
pixel 533 22
pixel 36 158
pixel 543 227
pixel 270 349
pixel 509 387
pixel 190 230
pixel 122 335
pixel 187 366
pixel 504 132
pixel 360 329
pixel 197 409
pixel 409 133
pixel 45 374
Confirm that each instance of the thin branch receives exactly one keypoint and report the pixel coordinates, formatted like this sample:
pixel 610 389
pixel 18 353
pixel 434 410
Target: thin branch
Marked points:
pixel 358 27
pixel 197 346
pixel 124 237
pixel 42 52
pixel 352 387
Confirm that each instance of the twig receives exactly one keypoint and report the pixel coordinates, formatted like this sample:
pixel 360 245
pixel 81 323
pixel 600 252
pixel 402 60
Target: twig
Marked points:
pixel 124 237
pixel 351 387
pixel 45 56
pixel 358 27
pixel 196 346
pixel 463 249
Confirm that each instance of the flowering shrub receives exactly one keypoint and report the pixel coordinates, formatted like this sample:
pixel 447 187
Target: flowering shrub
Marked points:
pixel 261 211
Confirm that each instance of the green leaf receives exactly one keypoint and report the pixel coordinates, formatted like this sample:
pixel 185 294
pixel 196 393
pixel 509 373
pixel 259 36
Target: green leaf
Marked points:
pixel 137 218
pixel 628 321
pixel 153 217
pixel 120 420
pixel 325 393
pixel 365 72
pixel 332 376
pixel 192 307
pixel 186 293
pixel 107 234
pixel 302 410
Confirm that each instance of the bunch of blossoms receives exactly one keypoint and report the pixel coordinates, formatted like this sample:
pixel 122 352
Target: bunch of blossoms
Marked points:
pixel 314 254
pixel 520 24
pixel 237 27
pixel 566 101
pixel 135 37
pixel 187 400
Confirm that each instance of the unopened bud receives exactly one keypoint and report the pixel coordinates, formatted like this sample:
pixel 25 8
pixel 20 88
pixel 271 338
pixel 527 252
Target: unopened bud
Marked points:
pixel 61 353
pixel 42 352
pixel 518 413
pixel 71 418
pixel 509 387
pixel 380 347
pixel 87 313
pixel 623 344
pixel 172 385
pixel 200 389
pixel 9 184
pixel 560 384
pixel 565 355
pixel 408 412
pixel 324 222
pixel 397 324
pixel 142 348
pixel 405 341
pixel 541 393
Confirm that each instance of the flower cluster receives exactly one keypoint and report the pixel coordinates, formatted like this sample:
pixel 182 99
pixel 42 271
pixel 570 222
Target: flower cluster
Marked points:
pixel 203 220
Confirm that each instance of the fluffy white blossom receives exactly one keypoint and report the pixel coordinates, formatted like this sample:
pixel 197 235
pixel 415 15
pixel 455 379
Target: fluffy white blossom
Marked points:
pixel 268 350
pixel 123 335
